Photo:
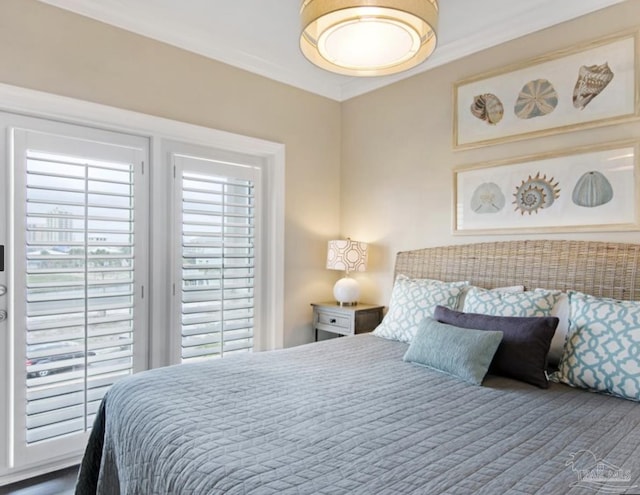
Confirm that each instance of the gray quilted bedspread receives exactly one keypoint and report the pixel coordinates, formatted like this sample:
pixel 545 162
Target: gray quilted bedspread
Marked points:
pixel 348 416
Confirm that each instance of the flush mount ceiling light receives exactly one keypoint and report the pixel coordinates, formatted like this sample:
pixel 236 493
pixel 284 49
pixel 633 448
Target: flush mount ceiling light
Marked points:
pixel 368 37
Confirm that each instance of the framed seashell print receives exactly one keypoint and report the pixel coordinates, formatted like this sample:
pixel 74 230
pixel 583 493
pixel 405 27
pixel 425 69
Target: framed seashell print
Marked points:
pixel 589 189
pixel 589 85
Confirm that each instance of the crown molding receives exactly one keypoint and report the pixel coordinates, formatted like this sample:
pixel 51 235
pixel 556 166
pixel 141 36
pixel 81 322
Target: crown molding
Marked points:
pixel 525 23
pixel 296 71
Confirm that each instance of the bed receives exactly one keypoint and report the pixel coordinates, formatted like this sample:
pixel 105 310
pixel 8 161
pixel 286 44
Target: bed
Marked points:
pixel 350 416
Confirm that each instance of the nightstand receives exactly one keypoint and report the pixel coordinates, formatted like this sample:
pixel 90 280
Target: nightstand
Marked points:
pixel 345 320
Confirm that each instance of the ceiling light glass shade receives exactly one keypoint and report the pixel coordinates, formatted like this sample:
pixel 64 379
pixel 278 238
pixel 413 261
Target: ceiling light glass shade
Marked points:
pixel 368 37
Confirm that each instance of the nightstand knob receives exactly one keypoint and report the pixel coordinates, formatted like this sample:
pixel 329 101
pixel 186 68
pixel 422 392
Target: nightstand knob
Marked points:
pixel 333 320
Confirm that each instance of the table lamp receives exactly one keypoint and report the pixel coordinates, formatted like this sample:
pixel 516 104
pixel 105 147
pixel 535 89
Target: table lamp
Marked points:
pixel 348 256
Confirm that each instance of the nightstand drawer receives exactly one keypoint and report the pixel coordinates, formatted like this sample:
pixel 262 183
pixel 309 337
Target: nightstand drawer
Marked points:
pixel 345 320
pixel 331 322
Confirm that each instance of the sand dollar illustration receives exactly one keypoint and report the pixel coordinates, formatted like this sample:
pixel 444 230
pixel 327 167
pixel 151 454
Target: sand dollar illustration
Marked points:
pixel 487 198
pixel 487 107
pixel 536 99
pixel 592 189
pixel 592 79
pixel 535 193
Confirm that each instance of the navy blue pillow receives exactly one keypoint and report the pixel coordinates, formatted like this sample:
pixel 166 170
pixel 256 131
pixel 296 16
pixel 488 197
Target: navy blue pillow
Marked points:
pixel 522 354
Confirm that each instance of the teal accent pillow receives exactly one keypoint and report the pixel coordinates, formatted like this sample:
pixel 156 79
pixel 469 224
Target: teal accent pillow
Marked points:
pixel 461 352
pixel 412 300
pixel 602 350
pixel 508 288
pixel 498 303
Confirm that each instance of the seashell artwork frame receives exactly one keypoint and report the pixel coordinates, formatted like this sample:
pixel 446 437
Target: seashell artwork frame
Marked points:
pixel 587 189
pixel 597 84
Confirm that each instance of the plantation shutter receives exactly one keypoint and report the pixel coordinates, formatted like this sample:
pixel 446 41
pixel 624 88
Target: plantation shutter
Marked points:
pixel 79 310
pixel 216 228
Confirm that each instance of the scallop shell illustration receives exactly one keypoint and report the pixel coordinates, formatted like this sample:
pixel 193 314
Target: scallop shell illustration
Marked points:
pixel 592 189
pixel 487 107
pixel 536 99
pixel 591 82
pixel 487 198
pixel 535 193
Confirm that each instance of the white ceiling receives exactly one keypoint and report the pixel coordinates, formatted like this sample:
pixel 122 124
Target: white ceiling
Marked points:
pixel 261 36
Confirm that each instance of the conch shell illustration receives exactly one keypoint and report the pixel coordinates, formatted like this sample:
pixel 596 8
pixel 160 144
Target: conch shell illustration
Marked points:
pixel 536 99
pixel 592 189
pixel 487 107
pixel 591 82
pixel 535 193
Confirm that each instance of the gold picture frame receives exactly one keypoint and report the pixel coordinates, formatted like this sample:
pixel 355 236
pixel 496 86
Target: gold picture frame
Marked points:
pixel 589 85
pixel 587 189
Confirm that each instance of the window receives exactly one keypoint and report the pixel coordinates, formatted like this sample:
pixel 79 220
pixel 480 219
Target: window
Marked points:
pixel 78 308
pixel 216 234
pixel 119 255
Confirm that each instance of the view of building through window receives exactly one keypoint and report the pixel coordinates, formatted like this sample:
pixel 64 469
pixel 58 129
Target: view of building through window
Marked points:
pixel 79 286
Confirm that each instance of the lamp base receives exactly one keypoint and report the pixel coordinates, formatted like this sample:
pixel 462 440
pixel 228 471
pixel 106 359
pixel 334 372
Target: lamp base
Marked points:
pixel 346 291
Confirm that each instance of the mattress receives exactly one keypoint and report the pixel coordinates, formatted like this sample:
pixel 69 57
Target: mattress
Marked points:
pixel 348 416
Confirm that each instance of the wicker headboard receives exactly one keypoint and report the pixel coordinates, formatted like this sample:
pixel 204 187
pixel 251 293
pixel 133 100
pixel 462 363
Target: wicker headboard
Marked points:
pixel 602 269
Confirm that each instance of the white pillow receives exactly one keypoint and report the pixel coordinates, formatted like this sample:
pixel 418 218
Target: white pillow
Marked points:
pixel 561 311
pixel 412 300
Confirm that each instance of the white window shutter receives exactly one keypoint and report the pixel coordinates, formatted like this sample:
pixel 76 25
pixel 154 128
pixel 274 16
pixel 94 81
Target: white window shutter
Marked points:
pixel 216 245
pixel 78 314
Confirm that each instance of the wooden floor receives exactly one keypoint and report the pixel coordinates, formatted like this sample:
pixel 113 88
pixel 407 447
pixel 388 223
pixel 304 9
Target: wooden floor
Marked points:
pixel 57 483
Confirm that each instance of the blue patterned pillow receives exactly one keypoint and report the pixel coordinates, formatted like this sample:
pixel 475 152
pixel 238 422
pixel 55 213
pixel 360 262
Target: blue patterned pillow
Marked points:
pixel 509 288
pixel 412 300
pixel 531 303
pixel 602 351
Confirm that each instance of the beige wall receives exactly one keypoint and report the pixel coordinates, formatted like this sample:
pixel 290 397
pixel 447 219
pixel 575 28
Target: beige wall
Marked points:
pixel 377 168
pixel 48 49
pixel 397 157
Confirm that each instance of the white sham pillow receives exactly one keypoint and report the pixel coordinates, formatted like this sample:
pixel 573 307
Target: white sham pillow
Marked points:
pixel 561 311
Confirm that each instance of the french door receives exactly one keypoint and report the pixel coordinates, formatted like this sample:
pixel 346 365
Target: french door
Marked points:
pixel 76 235
pixel 76 211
